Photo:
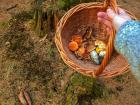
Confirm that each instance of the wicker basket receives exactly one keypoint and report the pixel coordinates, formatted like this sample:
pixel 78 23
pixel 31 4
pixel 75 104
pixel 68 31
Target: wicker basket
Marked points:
pixel 113 64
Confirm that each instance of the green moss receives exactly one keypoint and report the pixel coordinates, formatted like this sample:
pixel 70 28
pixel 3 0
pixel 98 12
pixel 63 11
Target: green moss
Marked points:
pixel 82 87
pixel 98 90
pixel 84 83
pixel 78 85
pixel 4 24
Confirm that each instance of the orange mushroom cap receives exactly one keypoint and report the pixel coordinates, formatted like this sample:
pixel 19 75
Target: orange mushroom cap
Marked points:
pixel 73 46
pixel 77 38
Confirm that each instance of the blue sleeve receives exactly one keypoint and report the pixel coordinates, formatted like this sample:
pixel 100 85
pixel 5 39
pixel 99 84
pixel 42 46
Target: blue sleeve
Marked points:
pixel 127 43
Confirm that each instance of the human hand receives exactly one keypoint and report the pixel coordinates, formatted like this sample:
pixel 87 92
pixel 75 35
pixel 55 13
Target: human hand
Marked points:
pixel 110 18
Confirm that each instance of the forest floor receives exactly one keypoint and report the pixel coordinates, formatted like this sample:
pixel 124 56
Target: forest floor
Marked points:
pixel 27 61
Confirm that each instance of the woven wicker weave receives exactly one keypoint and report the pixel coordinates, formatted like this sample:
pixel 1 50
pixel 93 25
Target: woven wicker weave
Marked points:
pixel 113 64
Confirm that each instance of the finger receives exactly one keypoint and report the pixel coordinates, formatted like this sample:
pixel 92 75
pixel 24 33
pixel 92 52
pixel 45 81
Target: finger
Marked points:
pixel 123 14
pixel 102 15
pixel 111 14
pixel 106 22
pixel 121 11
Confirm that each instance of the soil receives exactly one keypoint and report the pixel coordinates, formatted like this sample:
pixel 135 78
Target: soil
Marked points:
pixel 27 61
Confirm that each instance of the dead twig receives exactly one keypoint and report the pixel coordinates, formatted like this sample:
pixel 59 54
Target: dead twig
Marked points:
pixel 12 7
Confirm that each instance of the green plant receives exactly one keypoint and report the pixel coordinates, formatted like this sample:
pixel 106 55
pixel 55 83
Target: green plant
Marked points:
pixel 38 14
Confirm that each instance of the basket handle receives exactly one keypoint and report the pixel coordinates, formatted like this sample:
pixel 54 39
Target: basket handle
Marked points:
pixel 112 4
pixel 110 45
